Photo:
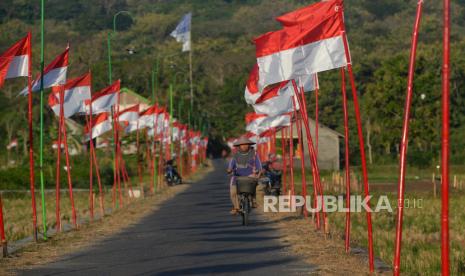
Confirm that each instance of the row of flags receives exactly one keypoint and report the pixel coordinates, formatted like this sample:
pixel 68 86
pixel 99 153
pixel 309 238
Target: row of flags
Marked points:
pixel 77 96
pixel 311 41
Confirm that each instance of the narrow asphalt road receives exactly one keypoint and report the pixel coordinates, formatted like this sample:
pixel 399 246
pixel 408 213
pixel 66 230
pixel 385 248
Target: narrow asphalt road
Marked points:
pixel 191 234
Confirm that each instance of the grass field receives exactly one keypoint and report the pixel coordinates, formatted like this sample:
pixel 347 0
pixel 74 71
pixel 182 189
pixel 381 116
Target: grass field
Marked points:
pixel 421 253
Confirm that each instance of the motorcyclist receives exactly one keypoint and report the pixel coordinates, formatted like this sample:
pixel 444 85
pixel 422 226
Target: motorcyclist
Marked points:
pixel 246 163
pixel 170 165
pixel 272 169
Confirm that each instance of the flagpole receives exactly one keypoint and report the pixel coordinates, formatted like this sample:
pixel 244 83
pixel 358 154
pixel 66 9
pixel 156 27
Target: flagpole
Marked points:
pixel 2 230
pixel 347 163
pixel 57 181
pixel 171 119
pixel 41 153
pixel 445 265
pixel 190 74
pixel 31 142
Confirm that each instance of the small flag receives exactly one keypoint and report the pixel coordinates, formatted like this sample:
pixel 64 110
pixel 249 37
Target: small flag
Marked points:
pixel 12 144
pixel 100 124
pixel 54 73
pixel 76 93
pixel 103 100
pixel 14 62
pixel 129 115
pixel 182 33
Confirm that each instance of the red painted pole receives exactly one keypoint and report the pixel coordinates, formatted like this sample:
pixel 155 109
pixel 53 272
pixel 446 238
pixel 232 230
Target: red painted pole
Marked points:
pixel 283 154
pixel 97 170
pixel 404 143
pixel 362 152
pixel 58 169
pixel 311 151
pixel 302 163
pixel 68 167
pixel 291 157
pixel 316 116
pixel 445 263
pixel 2 230
pixel 91 177
pixel 347 154
pixel 31 140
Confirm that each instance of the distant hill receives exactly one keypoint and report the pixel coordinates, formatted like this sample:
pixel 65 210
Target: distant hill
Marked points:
pixel 379 34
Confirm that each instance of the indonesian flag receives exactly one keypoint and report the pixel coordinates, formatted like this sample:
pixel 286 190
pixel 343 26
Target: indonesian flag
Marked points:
pixel 259 123
pixel 277 99
pixel 177 130
pixel 147 118
pixel 103 100
pixel 12 144
pixel 14 62
pixel 314 43
pixel 129 115
pixel 100 124
pixel 54 73
pixel 76 92
pixel 252 91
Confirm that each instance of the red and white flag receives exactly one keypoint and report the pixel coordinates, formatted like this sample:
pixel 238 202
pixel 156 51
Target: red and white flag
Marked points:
pixel 129 115
pixel 146 119
pixel 252 91
pixel 103 100
pixel 277 99
pixel 12 144
pixel 14 62
pixel 76 92
pixel 259 123
pixel 54 73
pixel 100 124
pixel 312 43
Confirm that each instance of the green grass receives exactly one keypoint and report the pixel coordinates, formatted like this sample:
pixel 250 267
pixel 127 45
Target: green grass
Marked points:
pixel 421 252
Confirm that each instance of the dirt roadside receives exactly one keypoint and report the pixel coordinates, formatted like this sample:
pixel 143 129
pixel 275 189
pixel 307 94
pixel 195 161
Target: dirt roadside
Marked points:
pixel 36 254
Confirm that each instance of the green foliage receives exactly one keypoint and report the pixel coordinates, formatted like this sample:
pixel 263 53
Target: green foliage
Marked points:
pixel 379 33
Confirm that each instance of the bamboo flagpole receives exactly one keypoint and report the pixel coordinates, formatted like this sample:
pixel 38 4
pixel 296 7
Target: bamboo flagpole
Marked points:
pixel 68 167
pixel 291 157
pixel 316 115
pixel 362 148
pixel 58 170
pixel 2 230
pixel 31 140
pixel 311 151
pixel 445 262
pixel 404 142
pixel 41 150
pixel 283 154
pixel 346 155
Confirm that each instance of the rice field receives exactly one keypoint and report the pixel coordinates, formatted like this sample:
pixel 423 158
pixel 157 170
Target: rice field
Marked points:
pixel 421 244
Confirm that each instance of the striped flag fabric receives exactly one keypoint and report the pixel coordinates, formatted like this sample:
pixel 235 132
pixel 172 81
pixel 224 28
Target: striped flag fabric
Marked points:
pixel 54 73
pixel 76 92
pixel 259 123
pixel 103 100
pixel 100 125
pixel 311 44
pixel 14 62
pixel 129 115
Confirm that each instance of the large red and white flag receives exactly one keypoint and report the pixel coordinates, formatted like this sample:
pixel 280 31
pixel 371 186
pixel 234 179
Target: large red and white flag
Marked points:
pixel 14 62
pixel 100 124
pixel 76 92
pixel 259 123
pixel 103 100
pixel 54 73
pixel 129 115
pixel 313 43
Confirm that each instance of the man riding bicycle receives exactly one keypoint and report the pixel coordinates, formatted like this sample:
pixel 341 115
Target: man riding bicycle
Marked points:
pixel 244 163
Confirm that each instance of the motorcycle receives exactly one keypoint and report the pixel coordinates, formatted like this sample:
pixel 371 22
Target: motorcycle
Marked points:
pixel 272 180
pixel 172 176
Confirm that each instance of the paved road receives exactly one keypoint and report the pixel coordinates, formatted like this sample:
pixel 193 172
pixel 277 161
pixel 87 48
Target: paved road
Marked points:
pixel 192 234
